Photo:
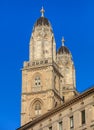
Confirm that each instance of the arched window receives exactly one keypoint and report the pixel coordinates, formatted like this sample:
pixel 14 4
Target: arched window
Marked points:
pixel 37 81
pixel 38 108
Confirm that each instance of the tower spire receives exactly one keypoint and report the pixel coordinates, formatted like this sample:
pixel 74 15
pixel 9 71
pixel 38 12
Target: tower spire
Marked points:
pixel 42 12
pixel 63 41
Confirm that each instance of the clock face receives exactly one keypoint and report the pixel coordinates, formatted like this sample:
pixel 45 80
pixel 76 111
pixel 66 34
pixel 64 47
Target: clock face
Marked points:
pixel 41 35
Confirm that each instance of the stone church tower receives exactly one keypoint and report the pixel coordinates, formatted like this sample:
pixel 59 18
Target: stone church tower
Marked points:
pixel 48 78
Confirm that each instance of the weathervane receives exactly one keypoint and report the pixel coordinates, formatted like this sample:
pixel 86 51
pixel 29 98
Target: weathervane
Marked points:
pixel 42 12
pixel 63 41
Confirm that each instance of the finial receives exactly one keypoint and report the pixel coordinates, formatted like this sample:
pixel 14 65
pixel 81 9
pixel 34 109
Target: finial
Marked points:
pixel 63 41
pixel 42 12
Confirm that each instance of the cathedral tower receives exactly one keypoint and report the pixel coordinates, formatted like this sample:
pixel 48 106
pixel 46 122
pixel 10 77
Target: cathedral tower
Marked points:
pixel 48 78
pixel 66 65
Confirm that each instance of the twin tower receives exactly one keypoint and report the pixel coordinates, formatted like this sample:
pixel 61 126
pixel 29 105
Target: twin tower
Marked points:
pixel 48 78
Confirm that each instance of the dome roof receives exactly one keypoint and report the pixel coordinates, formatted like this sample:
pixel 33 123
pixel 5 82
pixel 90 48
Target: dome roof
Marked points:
pixel 63 50
pixel 42 21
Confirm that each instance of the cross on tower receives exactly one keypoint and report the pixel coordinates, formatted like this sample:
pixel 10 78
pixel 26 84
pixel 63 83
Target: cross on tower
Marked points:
pixel 63 41
pixel 42 12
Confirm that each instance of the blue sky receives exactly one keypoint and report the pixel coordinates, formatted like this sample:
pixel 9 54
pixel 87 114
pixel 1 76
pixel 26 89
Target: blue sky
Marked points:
pixel 73 19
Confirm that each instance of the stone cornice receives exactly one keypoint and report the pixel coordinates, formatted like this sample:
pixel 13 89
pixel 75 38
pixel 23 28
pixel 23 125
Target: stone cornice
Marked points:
pixel 58 108
pixel 42 66
pixel 39 92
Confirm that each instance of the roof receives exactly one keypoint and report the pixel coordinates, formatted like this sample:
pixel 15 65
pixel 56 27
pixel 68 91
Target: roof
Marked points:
pixel 63 49
pixel 57 109
pixel 42 21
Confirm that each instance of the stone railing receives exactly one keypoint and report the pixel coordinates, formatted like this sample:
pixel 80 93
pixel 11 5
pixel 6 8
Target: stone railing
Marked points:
pixel 38 62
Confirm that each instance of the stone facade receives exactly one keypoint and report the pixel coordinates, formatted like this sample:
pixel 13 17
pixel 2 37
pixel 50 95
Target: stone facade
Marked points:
pixel 67 116
pixel 49 97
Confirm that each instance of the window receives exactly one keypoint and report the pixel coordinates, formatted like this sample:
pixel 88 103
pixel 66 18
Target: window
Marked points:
pixel 83 116
pixel 60 125
pixel 71 122
pixel 63 98
pixel 37 81
pixel 50 128
pixel 46 61
pixel 37 108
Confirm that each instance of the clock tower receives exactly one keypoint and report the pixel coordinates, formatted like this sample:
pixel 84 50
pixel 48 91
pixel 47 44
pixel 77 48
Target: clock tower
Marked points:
pixel 38 95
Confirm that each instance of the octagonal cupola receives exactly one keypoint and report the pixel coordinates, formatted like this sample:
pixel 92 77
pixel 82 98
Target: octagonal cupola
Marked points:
pixel 63 49
pixel 42 40
pixel 63 53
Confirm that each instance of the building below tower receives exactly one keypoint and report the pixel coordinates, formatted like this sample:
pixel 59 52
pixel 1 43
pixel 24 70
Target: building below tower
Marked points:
pixel 76 114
